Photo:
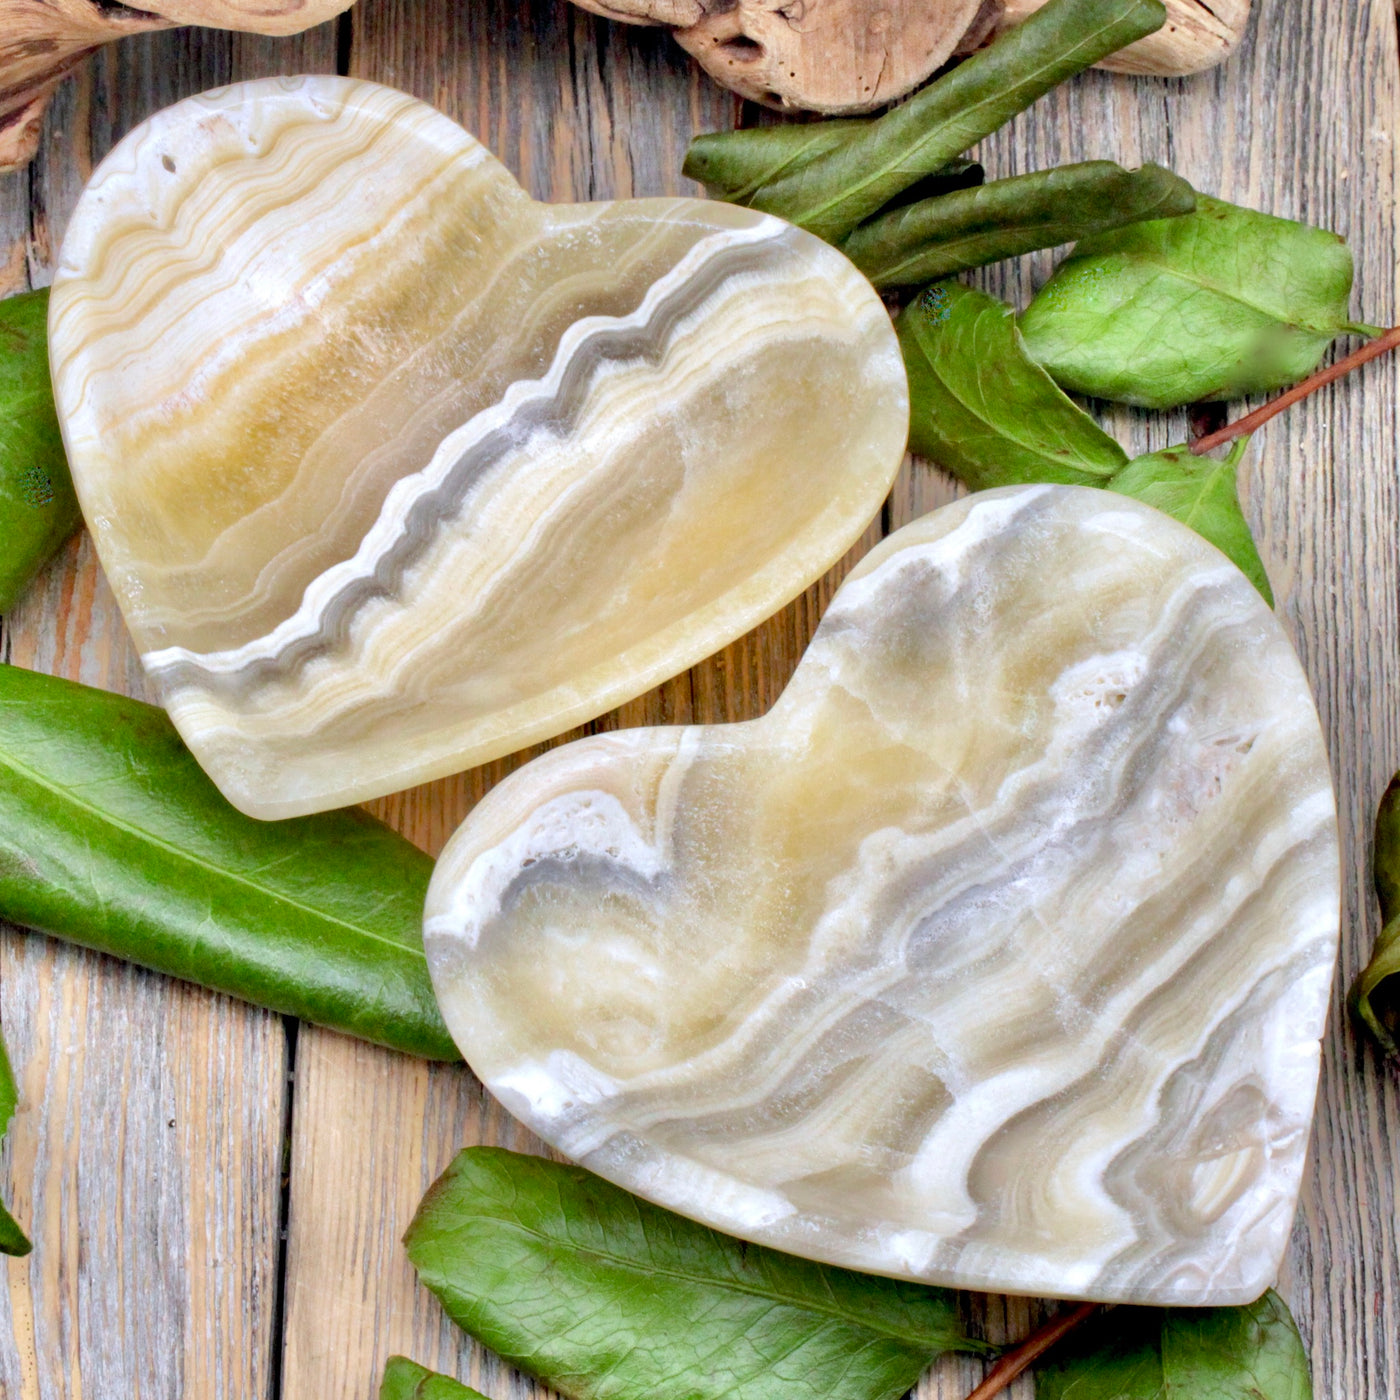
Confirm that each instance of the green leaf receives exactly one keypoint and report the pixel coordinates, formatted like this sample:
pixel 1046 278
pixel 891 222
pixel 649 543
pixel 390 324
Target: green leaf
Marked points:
pixel 937 237
pixel 38 509
pixel 982 409
pixel 1217 304
pixel 1201 492
pixel 736 165
pixel 956 175
pixel 1375 999
pixel 1250 1353
pixel 13 1240
pixel 406 1380
pixel 606 1297
pixel 841 188
pixel 1386 862
pixel 111 836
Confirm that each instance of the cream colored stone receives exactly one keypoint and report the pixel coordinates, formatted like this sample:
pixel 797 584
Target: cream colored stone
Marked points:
pixel 995 955
pixel 394 470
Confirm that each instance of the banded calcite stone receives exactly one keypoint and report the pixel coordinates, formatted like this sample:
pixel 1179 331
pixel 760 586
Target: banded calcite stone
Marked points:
pixel 995 955
pixel 395 470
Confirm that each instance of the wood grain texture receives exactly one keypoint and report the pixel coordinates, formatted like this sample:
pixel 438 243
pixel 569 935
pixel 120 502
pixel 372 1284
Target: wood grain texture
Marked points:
pixel 821 55
pixel 155 1256
pixel 146 1155
pixel 856 55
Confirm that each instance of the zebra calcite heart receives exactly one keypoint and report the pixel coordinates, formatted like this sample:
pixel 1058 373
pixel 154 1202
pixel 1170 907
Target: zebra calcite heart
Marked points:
pixel 394 470
pixel 995 955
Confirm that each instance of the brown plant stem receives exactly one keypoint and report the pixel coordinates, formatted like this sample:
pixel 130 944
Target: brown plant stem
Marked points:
pixel 1025 1354
pixel 1381 345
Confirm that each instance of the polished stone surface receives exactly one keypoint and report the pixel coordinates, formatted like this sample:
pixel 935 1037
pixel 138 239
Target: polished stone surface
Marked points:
pixel 395 470
pixel 996 954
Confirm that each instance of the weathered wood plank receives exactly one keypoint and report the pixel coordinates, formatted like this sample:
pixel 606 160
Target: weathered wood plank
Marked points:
pixel 160 1296
pixel 1238 133
pixel 557 95
pixel 146 1155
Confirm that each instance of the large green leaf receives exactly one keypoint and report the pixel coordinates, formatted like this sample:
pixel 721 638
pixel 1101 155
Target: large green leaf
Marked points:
pixel 950 233
pixel 606 1297
pixel 981 409
pixel 1217 304
pixel 111 836
pixel 13 1240
pixel 842 187
pixel 38 510
pixel 1201 492
pixel 406 1380
pixel 1375 997
pixel 1251 1353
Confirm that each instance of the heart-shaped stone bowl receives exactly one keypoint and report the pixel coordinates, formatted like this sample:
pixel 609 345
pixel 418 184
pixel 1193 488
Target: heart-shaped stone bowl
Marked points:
pixel 995 955
pixel 394 470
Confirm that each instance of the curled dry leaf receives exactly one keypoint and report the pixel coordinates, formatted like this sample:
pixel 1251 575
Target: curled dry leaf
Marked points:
pixel 1198 34
pixel 853 55
pixel 822 55
pixel 42 41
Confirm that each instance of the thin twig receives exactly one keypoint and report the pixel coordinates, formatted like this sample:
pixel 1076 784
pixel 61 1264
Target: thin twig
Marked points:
pixel 1243 426
pixel 1012 1363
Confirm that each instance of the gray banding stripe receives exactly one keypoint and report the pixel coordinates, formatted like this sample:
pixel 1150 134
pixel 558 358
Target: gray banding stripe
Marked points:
pixel 442 504
pixel 1120 754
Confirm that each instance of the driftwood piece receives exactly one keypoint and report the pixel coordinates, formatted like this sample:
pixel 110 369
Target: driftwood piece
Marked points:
pixel 42 41
pixel 821 55
pixel 852 55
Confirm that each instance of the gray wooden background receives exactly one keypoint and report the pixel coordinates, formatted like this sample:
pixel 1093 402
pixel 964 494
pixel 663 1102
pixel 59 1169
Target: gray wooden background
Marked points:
pixel 215 1196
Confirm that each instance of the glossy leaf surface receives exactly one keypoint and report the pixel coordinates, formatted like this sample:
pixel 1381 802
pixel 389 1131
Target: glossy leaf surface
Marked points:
pixel 111 836
pixel 607 1297
pixel 13 1240
pixel 1217 304
pixel 1201 492
pixel 982 409
pixel 406 1380
pixel 1250 1353
pixel 38 509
